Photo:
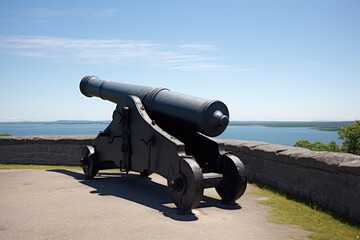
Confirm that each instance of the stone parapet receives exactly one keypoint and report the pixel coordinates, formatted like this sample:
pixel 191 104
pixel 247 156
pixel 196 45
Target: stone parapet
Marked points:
pixel 49 150
pixel 330 180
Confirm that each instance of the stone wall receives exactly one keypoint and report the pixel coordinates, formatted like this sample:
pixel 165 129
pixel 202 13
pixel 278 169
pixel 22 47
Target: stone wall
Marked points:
pixel 330 180
pixel 48 150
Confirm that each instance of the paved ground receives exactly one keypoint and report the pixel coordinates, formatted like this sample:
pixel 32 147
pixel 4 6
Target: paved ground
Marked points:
pixel 59 204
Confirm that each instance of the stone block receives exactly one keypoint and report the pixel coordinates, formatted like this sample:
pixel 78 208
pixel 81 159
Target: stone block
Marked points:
pixel 351 165
pixel 350 198
pixel 21 160
pixel 286 173
pixel 56 148
pixel 29 155
pixel 41 147
pixel 230 145
pixel 58 157
pixel 72 149
pixel 316 197
pixel 343 179
pixel 24 148
pixel 7 152
pixel 19 155
pixel 354 215
pixel 268 151
pixel 43 156
pixel 330 190
pixel 354 182
pixel 248 146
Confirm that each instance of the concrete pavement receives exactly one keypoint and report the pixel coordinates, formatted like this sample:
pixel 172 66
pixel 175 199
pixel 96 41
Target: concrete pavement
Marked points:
pixel 59 204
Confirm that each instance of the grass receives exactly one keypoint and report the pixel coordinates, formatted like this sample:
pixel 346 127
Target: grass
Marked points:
pixel 285 210
pixel 322 225
pixel 40 167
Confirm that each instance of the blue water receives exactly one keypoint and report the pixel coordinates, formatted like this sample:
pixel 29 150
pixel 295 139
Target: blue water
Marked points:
pixel 278 135
pixel 39 128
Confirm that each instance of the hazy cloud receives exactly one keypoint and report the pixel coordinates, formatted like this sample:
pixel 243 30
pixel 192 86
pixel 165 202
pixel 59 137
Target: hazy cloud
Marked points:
pixel 191 56
pixel 200 46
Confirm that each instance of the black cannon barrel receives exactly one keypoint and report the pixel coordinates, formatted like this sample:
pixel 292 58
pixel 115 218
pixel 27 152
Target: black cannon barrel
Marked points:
pixel 209 117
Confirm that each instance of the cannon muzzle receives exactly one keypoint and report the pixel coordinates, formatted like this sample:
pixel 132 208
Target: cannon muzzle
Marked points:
pixel 167 108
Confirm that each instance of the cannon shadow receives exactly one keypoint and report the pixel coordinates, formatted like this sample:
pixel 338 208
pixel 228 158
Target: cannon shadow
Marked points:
pixel 141 190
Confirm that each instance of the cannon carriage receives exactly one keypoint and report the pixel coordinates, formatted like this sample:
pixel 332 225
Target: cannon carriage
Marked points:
pixel 155 130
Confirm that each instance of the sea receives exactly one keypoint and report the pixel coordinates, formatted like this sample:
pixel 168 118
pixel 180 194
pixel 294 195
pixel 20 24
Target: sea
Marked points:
pixel 277 135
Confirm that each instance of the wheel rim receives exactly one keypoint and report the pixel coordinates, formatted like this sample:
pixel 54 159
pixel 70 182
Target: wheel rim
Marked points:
pixel 89 163
pixel 186 184
pixel 233 183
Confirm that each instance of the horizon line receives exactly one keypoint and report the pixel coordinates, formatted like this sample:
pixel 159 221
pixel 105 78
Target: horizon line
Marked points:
pixel 104 120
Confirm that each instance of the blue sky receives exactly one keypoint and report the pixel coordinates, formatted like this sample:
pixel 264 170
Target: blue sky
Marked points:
pixel 267 60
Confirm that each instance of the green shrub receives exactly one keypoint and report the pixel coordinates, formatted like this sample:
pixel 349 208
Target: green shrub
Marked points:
pixel 5 134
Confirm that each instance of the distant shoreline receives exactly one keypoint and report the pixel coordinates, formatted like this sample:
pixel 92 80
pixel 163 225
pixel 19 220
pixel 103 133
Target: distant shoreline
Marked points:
pixel 318 125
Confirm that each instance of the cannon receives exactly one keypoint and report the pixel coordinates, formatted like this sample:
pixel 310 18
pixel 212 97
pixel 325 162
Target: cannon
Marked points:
pixel 155 130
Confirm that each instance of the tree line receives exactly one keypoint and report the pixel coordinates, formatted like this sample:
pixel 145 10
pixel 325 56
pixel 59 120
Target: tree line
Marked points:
pixel 349 134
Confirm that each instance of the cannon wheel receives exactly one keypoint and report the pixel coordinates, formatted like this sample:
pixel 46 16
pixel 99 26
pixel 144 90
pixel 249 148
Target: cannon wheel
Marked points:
pixel 89 163
pixel 233 183
pixel 186 185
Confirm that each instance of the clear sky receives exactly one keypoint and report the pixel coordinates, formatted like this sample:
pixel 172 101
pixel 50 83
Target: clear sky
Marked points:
pixel 267 60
